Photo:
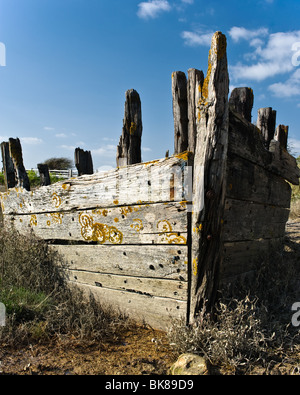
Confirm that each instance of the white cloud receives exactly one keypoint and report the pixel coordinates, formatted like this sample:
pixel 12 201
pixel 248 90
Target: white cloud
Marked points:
pixel 241 33
pixel 61 135
pixel 197 38
pixel 152 8
pixel 146 149
pixel 188 1
pixel 273 56
pixel 106 151
pixel 31 140
pixel 48 128
pixel 289 88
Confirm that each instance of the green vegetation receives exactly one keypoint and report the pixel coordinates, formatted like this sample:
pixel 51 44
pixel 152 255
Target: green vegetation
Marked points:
pixel 40 305
pixel 34 179
pixel 59 163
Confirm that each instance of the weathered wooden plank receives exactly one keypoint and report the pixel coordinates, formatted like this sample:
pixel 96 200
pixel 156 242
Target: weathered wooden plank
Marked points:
pixel 251 182
pixel 210 180
pixel 281 135
pixel 246 141
pixel 166 262
pixel 44 174
pixel 161 223
pixel 180 111
pixel 249 221
pixel 8 167
pixel 241 101
pixel 129 148
pixel 266 123
pixel 245 256
pixel 15 151
pixel 155 311
pixel 83 162
pixel 144 286
pixel 194 90
pixel 156 181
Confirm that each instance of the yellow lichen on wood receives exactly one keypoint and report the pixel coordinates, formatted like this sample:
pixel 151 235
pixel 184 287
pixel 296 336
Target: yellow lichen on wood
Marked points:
pixel 133 128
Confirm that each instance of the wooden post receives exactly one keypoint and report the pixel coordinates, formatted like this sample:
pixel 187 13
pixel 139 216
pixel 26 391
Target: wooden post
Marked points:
pixel 281 135
pixel 15 151
pixel 241 101
pixel 44 174
pixel 266 122
pixel 129 148
pixel 83 162
pixel 194 89
pixel 180 111
pixel 209 183
pixel 8 167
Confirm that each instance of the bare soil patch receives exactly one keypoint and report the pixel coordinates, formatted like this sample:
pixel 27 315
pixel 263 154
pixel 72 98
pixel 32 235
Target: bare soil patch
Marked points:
pixel 141 351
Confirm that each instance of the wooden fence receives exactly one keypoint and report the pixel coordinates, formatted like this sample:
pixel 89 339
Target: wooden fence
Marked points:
pixel 159 239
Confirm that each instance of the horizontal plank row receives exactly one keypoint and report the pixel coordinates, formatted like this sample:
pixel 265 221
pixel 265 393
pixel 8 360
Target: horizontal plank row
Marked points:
pixel 245 256
pixel 164 262
pixel 155 311
pixel 251 221
pixel 251 182
pixel 158 181
pixel 162 223
pixel 140 285
pixel 246 141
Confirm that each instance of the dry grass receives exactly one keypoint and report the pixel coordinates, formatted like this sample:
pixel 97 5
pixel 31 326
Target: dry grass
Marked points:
pixel 40 305
pixel 251 330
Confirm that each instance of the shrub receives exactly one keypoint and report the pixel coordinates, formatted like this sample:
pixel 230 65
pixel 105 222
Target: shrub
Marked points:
pixel 40 303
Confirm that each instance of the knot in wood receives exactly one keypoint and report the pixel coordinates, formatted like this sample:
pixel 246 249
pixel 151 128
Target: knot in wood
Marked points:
pixel 209 237
pixel 210 194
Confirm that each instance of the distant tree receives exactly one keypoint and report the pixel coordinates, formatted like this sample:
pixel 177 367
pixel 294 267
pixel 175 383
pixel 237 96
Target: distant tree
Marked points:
pixel 59 163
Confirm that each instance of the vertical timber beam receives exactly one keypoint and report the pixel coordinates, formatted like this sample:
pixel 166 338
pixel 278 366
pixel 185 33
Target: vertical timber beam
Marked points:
pixel 180 111
pixel 129 148
pixel 194 89
pixel 44 174
pixel 266 122
pixel 15 151
pixel 242 100
pixel 281 135
pixel 8 167
pixel 209 183
pixel 83 162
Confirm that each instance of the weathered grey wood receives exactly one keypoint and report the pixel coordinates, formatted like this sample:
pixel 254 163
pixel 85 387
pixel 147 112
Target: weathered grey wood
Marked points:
pixel 180 111
pixel 15 151
pixel 83 162
pixel 8 167
pixel 139 224
pixel 281 135
pixel 155 311
pixel 246 141
pixel 156 181
pixel 165 262
pixel 144 286
pixel 241 100
pixel 266 123
pixel 210 180
pixel 194 90
pixel 244 256
pixel 248 181
pixel 129 148
pixel 248 221
pixel 44 174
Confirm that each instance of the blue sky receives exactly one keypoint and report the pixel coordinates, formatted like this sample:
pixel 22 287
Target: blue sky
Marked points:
pixel 68 64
